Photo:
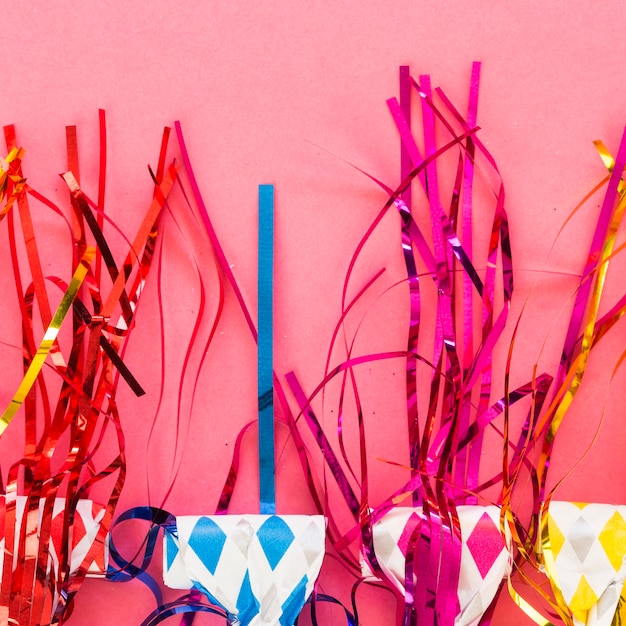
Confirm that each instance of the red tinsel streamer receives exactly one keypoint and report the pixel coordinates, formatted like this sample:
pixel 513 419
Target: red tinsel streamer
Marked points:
pixel 69 434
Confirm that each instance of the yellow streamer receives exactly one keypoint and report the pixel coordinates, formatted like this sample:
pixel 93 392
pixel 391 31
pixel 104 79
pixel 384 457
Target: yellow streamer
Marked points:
pixel 48 339
pixel 5 176
pixel 605 155
pixel 591 319
pixel 530 611
pixel 547 559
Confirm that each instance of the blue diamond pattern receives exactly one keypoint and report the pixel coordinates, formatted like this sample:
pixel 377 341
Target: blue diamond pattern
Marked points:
pixel 171 549
pixel 275 537
pixel 247 603
pixel 207 541
pixel 293 604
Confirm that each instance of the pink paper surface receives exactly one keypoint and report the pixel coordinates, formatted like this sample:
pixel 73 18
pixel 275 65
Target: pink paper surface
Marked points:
pixel 270 92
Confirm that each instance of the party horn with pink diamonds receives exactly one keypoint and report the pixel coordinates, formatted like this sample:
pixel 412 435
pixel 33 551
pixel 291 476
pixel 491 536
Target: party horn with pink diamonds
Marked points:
pixel 484 556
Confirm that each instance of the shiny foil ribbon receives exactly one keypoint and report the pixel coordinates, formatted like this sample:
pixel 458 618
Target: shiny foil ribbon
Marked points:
pixel 260 568
pixel 584 552
pixel 485 559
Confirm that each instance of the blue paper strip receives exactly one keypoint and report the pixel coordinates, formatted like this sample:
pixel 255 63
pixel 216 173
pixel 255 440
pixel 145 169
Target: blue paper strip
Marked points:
pixel 265 358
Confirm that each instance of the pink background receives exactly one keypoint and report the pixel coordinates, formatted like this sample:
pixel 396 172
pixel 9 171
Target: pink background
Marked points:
pixel 270 92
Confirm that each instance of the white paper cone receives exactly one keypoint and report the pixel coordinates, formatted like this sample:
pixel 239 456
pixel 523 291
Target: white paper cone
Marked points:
pixel 259 568
pixel 484 557
pixel 86 525
pixel 588 546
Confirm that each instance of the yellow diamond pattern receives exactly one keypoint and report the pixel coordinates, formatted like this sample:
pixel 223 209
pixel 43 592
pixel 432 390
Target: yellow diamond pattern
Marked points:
pixel 557 538
pixel 613 540
pixel 584 598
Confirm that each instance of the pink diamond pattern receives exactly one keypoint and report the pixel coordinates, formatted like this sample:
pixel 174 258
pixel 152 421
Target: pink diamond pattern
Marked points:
pixel 409 529
pixel 485 544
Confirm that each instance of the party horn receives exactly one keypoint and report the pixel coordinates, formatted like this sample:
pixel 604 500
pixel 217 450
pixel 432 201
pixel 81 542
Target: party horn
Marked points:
pixel 484 556
pixel 259 568
pixel 584 552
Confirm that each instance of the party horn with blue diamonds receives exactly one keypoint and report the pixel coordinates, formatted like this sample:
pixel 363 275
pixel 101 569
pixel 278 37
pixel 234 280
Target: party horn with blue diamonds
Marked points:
pixel 260 568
